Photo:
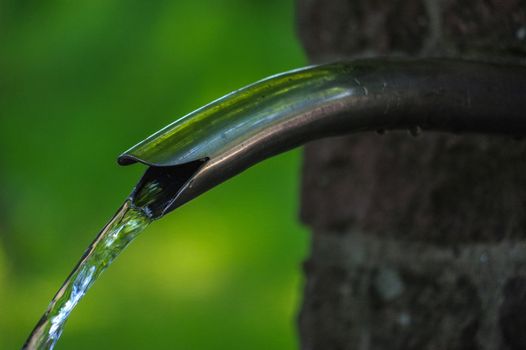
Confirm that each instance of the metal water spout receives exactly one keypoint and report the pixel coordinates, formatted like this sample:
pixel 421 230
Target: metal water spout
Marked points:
pixel 225 137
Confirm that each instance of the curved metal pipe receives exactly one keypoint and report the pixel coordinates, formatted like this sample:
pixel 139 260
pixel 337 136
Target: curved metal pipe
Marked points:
pixel 223 138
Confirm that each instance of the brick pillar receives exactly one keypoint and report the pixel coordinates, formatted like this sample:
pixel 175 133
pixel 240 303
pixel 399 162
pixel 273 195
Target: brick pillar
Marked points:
pixel 419 242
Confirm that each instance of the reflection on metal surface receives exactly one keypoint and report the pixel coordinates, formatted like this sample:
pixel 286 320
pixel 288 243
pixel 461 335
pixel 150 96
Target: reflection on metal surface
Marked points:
pixel 286 110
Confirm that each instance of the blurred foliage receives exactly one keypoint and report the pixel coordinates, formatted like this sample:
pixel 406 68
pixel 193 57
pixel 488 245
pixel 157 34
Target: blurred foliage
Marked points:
pixel 81 81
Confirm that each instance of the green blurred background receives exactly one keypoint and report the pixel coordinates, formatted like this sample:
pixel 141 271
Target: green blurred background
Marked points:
pixel 81 81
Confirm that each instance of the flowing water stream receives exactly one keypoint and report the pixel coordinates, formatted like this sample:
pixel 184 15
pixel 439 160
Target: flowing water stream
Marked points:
pixel 130 220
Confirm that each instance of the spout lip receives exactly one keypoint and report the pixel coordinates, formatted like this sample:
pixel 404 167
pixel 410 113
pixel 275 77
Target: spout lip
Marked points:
pixel 127 159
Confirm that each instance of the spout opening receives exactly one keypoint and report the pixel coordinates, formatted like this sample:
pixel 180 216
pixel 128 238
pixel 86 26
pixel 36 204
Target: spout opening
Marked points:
pixel 160 186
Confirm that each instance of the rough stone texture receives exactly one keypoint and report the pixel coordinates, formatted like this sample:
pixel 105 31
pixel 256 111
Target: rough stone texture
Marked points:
pixel 370 293
pixel 419 242
pixel 489 29
pixel 397 183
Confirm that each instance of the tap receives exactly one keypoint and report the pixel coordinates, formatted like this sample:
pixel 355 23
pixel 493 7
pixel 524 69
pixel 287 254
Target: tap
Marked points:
pixel 221 139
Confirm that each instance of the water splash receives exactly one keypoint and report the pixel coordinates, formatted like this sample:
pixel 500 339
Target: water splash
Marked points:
pixel 127 223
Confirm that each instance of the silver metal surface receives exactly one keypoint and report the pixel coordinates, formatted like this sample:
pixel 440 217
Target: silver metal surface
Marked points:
pixel 284 111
